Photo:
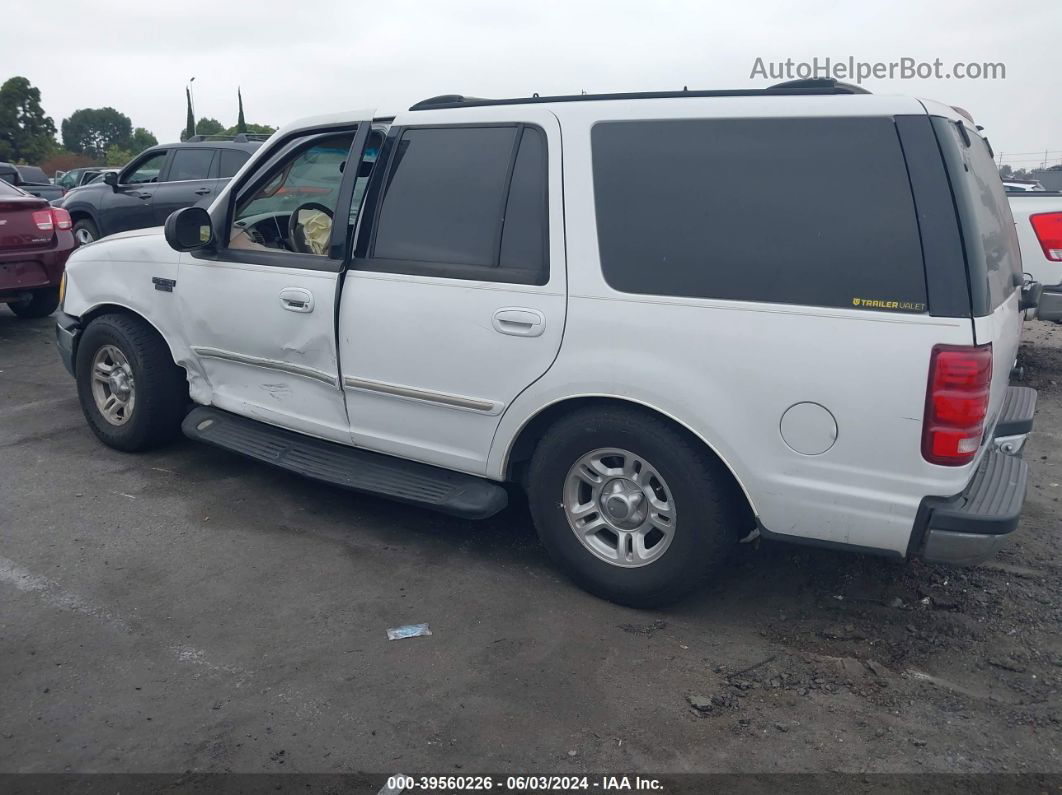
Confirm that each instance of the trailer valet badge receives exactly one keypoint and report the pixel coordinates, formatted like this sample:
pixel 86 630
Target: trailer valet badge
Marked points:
pixel 902 306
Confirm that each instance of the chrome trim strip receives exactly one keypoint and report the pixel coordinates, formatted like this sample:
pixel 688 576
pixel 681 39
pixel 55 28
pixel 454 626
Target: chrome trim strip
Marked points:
pixel 268 364
pixel 442 398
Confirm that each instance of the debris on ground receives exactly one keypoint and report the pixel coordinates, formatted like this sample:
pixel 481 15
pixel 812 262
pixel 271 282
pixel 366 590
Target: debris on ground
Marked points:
pixel 408 631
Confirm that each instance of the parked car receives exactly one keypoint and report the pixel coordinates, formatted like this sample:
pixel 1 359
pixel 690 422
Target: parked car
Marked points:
pixel 76 177
pixel 154 184
pixel 1022 185
pixel 31 179
pixel 35 241
pixel 594 298
pixel 1038 220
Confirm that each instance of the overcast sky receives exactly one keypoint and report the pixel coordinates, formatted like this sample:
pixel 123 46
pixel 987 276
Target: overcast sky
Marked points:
pixel 303 57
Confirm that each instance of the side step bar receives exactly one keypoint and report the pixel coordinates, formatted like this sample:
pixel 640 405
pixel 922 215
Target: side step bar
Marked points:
pixel 431 487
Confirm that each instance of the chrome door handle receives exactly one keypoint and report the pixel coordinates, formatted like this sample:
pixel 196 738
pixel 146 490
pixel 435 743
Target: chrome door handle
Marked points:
pixel 296 299
pixel 519 322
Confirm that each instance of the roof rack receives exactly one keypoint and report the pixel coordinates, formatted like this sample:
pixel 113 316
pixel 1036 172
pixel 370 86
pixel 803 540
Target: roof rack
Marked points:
pixel 238 138
pixel 789 88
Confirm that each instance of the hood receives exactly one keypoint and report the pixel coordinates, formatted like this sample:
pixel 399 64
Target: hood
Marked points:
pixel 158 231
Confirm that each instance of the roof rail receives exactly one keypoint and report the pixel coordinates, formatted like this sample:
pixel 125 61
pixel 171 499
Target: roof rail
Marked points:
pixel 239 138
pixel 799 87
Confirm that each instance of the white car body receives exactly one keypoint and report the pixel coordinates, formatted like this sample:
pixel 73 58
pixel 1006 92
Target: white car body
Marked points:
pixel 450 372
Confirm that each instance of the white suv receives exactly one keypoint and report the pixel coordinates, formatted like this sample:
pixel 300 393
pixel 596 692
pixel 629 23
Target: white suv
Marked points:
pixel 675 319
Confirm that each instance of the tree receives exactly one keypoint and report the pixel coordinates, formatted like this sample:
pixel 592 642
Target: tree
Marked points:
pixel 92 131
pixel 189 121
pixel 26 133
pixel 141 139
pixel 117 156
pixel 254 129
pixel 1005 172
pixel 209 126
pixel 241 123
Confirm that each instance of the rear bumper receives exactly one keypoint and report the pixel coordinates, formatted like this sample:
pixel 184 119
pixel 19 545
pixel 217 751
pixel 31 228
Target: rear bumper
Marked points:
pixel 1050 306
pixel 969 527
pixel 67 333
pixel 31 269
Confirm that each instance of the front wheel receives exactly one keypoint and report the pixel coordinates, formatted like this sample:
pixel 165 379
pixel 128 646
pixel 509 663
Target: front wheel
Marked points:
pixel 632 509
pixel 41 304
pixel 132 393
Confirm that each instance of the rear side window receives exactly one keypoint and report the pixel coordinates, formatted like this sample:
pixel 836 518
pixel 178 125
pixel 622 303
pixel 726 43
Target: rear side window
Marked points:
pixel 9 190
pixel 231 162
pixel 465 203
pixel 793 211
pixel 992 253
pixel 190 164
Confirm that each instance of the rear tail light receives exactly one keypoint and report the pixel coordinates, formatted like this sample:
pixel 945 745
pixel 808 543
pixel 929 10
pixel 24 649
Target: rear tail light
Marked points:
pixel 960 379
pixel 1048 228
pixel 62 218
pixel 52 218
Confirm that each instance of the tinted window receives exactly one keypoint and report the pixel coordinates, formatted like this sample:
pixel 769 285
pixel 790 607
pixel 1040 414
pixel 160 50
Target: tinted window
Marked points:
pixel 991 239
pixel 33 175
pixel 445 197
pixel 795 211
pixel 9 190
pixel 231 161
pixel 146 170
pixel 190 164
pixel 524 234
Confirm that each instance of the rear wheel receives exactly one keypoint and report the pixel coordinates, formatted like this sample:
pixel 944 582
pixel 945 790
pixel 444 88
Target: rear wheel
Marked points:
pixel 41 304
pixel 132 393
pixel 85 232
pixel 632 509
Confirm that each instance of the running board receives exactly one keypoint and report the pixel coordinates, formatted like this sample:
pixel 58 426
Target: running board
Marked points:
pixel 431 487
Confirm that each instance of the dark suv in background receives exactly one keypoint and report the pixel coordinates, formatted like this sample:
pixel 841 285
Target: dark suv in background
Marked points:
pixel 158 181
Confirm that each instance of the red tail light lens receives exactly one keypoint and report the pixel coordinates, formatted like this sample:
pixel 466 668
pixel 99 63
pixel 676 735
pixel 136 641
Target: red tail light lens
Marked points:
pixel 960 379
pixel 52 218
pixel 1048 228
pixel 62 218
pixel 43 220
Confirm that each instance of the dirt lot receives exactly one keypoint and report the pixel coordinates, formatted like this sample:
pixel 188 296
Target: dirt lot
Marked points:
pixel 189 610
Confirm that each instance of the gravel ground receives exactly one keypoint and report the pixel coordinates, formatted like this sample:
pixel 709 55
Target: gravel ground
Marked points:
pixel 190 610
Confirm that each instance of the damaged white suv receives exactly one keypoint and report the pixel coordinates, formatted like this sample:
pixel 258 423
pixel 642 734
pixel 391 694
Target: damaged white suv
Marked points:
pixel 673 318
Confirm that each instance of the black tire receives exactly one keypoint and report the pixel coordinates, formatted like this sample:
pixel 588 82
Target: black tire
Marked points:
pixel 161 388
pixel 41 304
pixel 707 514
pixel 85 226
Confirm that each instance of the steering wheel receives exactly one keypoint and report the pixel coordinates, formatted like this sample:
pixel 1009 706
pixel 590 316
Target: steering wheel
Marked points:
pixel 296 238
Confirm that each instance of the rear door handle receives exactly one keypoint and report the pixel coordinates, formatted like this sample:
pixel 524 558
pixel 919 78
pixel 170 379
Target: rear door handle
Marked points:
pixel 144 195
pixel 296 299
pixel 202 191
pixel 519 322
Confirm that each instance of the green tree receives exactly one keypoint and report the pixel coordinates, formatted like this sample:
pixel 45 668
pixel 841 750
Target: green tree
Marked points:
pixel 117 156
pixel 141 139
pixel 26 133
pixel 209 126
pixel 189 117
pixel 92 131
pixel 254 129
pixel 241 123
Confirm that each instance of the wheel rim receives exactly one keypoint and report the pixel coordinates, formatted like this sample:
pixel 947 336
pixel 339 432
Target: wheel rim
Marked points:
pixel 83 236
pixel 619 507
pixel 113 387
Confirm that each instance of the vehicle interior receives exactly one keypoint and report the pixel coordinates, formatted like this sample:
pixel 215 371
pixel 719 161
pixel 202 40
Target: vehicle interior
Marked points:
pixel 294 209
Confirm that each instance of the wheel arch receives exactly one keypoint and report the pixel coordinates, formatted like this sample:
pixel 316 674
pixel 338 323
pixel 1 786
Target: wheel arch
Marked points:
pixel 519 452
pixel 109 308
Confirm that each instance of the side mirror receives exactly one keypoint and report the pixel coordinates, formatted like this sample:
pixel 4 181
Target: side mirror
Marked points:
pixel 189 229
pixel 111 178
